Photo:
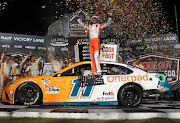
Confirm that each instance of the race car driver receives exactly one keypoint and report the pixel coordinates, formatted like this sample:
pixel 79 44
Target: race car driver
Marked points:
pixel 5 68
pixel 33 68
pixel 55 63
pixel 94 31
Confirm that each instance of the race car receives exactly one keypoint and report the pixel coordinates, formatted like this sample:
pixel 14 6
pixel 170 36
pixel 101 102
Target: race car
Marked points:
pixel 118 84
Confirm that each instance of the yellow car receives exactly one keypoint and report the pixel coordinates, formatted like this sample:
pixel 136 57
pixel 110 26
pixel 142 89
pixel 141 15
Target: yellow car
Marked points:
pixel 119 83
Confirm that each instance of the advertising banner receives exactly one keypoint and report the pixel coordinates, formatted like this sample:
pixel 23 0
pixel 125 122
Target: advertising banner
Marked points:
pixel 61 45
pixel 108 52
pixel 22 44
pixel 155 41
pixel 152 63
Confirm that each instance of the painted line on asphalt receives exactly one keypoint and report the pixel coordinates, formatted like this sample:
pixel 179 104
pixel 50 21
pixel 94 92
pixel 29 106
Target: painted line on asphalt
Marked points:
pixel 98 116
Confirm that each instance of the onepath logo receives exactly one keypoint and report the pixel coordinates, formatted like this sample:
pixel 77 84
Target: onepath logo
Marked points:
pixel 127 78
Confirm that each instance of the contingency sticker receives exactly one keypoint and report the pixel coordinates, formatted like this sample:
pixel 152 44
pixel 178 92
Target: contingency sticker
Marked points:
pixel 45 80
pixel 52 89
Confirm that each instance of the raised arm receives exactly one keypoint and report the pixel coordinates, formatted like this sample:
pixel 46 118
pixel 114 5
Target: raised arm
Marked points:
pixel 85 26
pixel 3 56
pixel 50 57
pixel 108 22
pixel 24 60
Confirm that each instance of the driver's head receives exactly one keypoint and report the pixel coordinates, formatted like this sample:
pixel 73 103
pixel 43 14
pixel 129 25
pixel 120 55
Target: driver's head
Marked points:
pixel 16 58
pixel 57 57
pixel 94 19
pixel 8 57
pixel 32 58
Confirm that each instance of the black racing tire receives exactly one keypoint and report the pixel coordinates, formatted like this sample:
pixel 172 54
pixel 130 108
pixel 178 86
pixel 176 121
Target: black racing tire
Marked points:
pixel 28 93
pixel 130 95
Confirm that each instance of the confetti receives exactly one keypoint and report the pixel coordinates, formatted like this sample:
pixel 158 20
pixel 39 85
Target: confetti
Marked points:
pixel 132 18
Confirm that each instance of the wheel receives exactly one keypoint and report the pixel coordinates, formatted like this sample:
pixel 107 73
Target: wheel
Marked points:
pixel 130 94
pixel 28 93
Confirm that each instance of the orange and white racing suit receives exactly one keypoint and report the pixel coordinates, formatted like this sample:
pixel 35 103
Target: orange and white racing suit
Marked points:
pixel 17 68
pixel 33 69
pixel 94 31
pixel 56 64
pixel 5 71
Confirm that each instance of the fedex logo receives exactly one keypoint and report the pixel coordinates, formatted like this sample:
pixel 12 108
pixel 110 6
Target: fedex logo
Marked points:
pixel 108 93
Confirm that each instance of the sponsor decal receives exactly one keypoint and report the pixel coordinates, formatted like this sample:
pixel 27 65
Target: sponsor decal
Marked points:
pixel 11 94
pixel 64 49
pixel 5 45
pixel 41 48
pixel 108 52
pixel 100 98
pixel 107 98
pixel 108 93
pixel 127 78
pixel 18 46
pixel 6 38
pixel 45 80
pixel 52 89
pixel 30 47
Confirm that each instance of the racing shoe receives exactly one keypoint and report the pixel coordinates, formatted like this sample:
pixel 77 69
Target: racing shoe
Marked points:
pixel 92 74
pixel 99 73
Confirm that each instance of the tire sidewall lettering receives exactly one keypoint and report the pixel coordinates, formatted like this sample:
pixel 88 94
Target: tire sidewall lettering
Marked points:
pixel 22 85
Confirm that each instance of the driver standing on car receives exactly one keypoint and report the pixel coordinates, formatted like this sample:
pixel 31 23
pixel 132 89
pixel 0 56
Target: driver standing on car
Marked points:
pixel 94 31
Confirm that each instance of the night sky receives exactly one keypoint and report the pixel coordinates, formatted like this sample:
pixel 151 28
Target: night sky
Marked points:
pixel 33 17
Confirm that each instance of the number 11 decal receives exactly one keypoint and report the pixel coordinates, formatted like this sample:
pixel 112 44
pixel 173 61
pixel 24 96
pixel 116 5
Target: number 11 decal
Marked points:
pixel 75 90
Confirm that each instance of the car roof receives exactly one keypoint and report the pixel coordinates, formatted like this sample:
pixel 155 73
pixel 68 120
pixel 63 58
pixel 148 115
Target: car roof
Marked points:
pixel 89 62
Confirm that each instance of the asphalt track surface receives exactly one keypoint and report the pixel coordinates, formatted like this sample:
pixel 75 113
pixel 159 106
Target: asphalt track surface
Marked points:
pixel 149 108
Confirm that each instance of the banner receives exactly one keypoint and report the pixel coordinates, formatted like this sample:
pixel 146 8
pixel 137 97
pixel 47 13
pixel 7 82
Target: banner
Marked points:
pixel 154 41
pixel 19 39
pixel 78 47
pixel 108 52
pixel 154 63
pixel 19 44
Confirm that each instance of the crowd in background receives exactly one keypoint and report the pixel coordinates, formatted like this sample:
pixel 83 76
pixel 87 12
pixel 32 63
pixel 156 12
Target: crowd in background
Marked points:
pixel 21 66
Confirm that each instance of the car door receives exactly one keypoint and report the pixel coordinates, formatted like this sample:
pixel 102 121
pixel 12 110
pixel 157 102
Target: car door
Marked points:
pixel 60 86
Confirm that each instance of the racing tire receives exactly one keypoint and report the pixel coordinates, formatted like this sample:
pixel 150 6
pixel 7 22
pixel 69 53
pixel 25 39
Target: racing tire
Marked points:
pixel 28 93
pixel 130 95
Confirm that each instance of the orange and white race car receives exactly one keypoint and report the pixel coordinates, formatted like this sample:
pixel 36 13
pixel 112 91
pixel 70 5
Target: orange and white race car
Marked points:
pixel 119 84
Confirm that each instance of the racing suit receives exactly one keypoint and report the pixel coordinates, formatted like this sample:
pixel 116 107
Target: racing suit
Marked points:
pixel 33 68
pixel 17 68
pixel 94 31
pixel 56 64
pixel 5 71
